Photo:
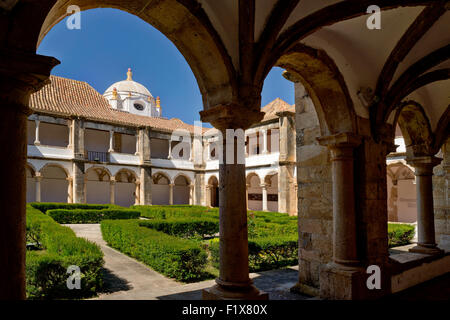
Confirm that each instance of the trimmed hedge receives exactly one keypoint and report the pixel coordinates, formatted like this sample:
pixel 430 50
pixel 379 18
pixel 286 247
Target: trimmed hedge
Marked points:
pixel 91 215
pixel 265 253
pixel 176 211
pixel 182 259
pixel 184 227
pixel 45 206
pixel 400 234
pixel 59 248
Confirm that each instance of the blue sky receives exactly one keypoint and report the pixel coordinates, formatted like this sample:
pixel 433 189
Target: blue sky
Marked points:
pixel 110 41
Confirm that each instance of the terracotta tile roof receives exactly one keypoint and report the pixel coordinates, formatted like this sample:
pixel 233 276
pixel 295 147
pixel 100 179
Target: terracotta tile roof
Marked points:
pixel 277 105
pixel 67 97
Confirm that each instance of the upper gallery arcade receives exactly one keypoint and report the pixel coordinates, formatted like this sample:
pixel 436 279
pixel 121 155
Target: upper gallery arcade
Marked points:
pixel 359 84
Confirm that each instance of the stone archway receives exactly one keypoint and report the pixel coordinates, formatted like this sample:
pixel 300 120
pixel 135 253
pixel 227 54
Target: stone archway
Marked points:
pixel 254 192
pixel 53 184
pixel 125 188
pixel 98 184
pixel 161 188
pixel 212 193
pixel 181 189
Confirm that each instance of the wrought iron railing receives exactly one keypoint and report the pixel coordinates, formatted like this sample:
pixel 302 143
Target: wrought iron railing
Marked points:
pixel 97 156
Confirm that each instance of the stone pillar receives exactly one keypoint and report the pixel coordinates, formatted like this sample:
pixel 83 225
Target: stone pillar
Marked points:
pixel 264 132
pixel 344 218
pixel 264 196
pixel 79 190
pixel 70 127
pixel 191 194
pixel 38 179
pixel 145 187
pixel 20 75
pixel 112 191
pixel 137 193
pixel 111 141
pixel 137 144
pixel 425 211
pixel 78 139
pixel 208 195
pixel 208 148
pixel 170 150
pixel 171 185
pixel 37 142
pixel 233 281
pixel 69 190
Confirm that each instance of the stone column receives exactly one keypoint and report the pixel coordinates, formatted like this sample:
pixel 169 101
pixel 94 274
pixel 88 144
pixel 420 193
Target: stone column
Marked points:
pixel 37 142
pixel 264 132
pixel 425 211
pixel 112 191
pixel 264 196
pixel 137 144
pixel 233 281
pixel 20 74
pixel 208 195
pixel 38 179
pixel 392 206
pixel 137 194
pixel 170 150
pixel 171 185
pixel 191 194
pixel 79 190
pixel 145 187
pixel 69 190
pixel 69 125
pixel 344 219
pixel 208 148
pixel 111 141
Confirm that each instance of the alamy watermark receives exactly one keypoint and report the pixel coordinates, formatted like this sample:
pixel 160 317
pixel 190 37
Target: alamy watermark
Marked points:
pixel 74 280
pixel 74 20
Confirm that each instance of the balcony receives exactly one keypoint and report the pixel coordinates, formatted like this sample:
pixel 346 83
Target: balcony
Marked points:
pixel 97 156
pixel 52 152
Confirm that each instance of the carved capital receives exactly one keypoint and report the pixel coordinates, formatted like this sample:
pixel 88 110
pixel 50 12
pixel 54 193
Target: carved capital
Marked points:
pixel 21 74
pixel 424 165
pixel 233 116
pixel 341 145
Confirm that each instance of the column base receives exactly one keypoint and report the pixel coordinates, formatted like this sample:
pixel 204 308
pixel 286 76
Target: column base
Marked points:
pixel 427 249
pixel 305 289
pixel 218 292
pixel 341 282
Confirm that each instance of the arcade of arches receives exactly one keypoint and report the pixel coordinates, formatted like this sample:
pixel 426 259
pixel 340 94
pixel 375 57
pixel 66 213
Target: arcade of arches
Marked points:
pixel 353 86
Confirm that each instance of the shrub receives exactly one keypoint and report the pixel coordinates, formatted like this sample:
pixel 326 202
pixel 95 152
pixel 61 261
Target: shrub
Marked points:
pixel 176 211
pixel 45 206
pixel 265 253
pixel 184 227
pixel 182 259
pixel 91 215
pixel 46 269
pixel 399 234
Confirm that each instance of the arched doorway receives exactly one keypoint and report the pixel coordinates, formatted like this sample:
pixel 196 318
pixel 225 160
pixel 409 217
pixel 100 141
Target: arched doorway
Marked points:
pixel 54 184
pixel 97 184
pixel 181 190
pixel 125 188
pixel 254 192
pixel 271 184
pixel 160 189
pixel 213 194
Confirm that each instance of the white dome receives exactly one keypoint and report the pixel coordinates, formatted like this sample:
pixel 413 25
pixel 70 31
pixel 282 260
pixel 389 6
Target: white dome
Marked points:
pixel 129 86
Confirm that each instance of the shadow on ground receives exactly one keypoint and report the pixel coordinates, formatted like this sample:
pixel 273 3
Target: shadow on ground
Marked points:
pixel 113 283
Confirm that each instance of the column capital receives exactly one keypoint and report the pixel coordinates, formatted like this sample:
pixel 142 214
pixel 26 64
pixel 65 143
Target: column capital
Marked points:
pixel 263 185
pixel 231 116
pixel 171 185
pixel 22 74
pixel 424 165
pixel 112 180
pixel 38 176
pixel 341 145
pixel 340 140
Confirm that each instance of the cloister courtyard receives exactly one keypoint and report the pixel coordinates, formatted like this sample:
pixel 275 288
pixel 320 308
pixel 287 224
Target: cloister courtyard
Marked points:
pixel 340 194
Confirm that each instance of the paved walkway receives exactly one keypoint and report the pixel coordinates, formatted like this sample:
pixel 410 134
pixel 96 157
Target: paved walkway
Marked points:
pixel 128 279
